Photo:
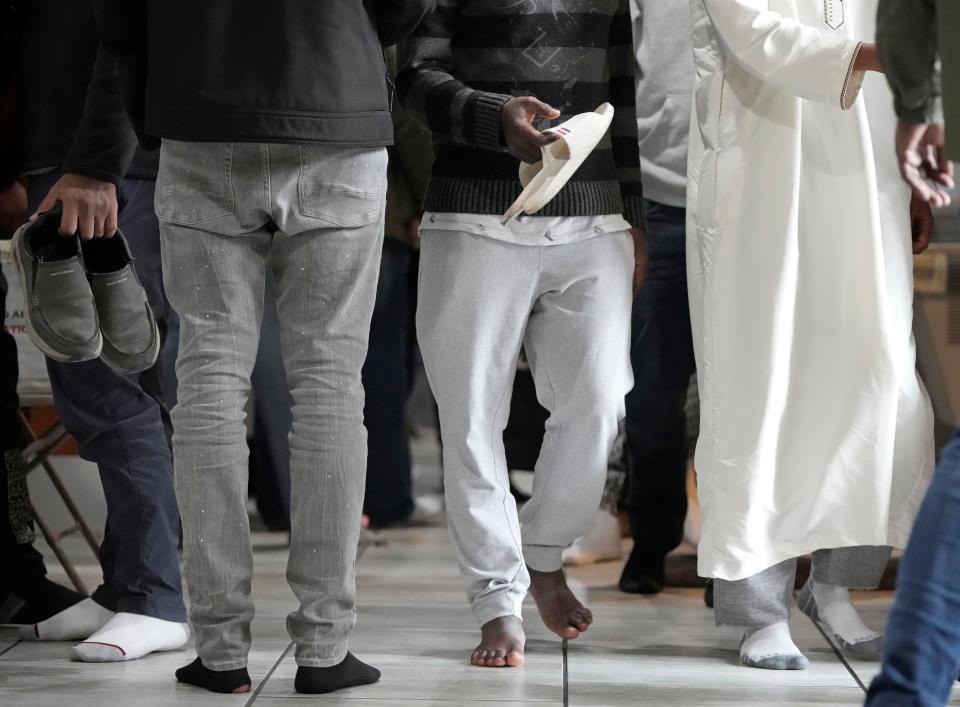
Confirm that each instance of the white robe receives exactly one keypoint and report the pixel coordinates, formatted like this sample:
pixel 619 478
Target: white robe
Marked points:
pixel 815 430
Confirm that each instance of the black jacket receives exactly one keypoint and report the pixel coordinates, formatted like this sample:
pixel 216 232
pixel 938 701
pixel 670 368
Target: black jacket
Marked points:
pixel 66 106
pixel 304 71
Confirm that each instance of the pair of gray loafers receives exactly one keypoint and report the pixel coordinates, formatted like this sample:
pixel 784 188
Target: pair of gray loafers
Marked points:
pixel 83 298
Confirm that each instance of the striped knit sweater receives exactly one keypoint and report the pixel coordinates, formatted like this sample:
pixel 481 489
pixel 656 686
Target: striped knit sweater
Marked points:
pixel 471 56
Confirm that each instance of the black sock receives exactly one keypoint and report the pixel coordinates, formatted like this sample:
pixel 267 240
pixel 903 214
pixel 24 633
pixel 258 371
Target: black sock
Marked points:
pixel 349 673
pixel 643 574
pixel 43 600
pixel 224 681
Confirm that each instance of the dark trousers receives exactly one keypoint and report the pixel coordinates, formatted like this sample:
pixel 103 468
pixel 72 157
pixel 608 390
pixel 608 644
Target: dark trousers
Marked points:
pixel 23 566
pixel 386 381
pixel 120 423
pixel 921 658
pixel 662 357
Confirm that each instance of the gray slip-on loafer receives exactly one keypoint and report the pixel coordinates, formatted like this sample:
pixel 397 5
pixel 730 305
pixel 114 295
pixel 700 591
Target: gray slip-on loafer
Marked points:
pixel 60 310
pixel 131 340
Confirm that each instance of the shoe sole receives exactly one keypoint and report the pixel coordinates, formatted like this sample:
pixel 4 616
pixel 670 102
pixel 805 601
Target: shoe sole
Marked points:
pixel 37 340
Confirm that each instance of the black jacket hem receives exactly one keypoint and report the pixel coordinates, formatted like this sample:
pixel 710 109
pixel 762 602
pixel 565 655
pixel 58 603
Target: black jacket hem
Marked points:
pixel 370 129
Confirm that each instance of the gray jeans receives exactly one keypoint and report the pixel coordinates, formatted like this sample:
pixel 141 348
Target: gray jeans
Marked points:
pixel 765 598
pixel 315 216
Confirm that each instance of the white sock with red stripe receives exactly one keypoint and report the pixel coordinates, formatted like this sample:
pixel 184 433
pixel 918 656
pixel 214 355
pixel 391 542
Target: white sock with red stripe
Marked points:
pixel 131 636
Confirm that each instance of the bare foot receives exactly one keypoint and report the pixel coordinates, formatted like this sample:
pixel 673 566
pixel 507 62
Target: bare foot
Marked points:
pixel 560 610
pixel 501 644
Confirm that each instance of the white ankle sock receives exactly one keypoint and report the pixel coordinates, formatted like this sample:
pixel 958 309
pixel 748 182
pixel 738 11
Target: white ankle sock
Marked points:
pixel 837 611
pixel 772 647
pixel 131 636
pixel 76 623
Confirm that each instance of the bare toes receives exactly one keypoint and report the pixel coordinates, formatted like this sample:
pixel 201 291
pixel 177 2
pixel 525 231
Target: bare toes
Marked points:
pixel 514 659
pixel 581 617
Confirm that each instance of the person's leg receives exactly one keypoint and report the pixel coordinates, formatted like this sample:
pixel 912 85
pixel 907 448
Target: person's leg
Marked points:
pixel 474 298
pixel 10 434
pixel 661 354
pixel 921 659
pixel 761 606
pixel 25 574
pixel 215 249
pixel 602 542
pixel 138 221
pixel 219 297
pixel 271 419
pixel 325 256
pixel 826 598
pixel 389 497
pixel 117 422
pixel 578 345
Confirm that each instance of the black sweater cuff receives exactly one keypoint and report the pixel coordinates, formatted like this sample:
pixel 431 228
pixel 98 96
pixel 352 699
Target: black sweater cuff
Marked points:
pixel 487 128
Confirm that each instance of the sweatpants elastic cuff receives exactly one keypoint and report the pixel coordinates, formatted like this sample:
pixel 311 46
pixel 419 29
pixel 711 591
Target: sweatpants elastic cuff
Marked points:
pixel 543 558
pixel 498 606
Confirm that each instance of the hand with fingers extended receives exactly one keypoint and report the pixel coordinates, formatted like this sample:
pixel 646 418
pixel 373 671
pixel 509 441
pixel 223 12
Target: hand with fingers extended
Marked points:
pixel 523 140
pixel 920 152
pixel 89 206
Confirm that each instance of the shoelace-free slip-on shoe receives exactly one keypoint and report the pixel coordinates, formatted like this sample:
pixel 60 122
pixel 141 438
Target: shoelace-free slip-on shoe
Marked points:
pixel 60 310
pixel 131 340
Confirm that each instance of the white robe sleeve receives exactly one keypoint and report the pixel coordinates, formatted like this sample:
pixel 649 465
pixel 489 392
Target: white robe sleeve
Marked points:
pixel 779 50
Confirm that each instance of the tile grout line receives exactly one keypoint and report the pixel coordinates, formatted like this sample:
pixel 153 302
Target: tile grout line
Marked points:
pixel 10 647
pixel 840 655
pixel 564 647
pixel 266 677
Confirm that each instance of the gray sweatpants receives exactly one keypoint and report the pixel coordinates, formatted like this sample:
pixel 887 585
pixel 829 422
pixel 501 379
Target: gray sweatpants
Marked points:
pixel 766 597
pixel 315 216
pixel 569 306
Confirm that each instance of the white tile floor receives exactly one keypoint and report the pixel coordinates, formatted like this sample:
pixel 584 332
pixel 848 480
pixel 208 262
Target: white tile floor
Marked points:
pixel 415 626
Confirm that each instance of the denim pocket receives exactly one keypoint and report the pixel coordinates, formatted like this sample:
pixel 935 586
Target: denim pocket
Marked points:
pixel 342 187
pixel 194 183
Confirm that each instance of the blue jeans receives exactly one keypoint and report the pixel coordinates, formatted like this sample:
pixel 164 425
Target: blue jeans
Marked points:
pixel 121 423
pixel 661 352
pixel 922 656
